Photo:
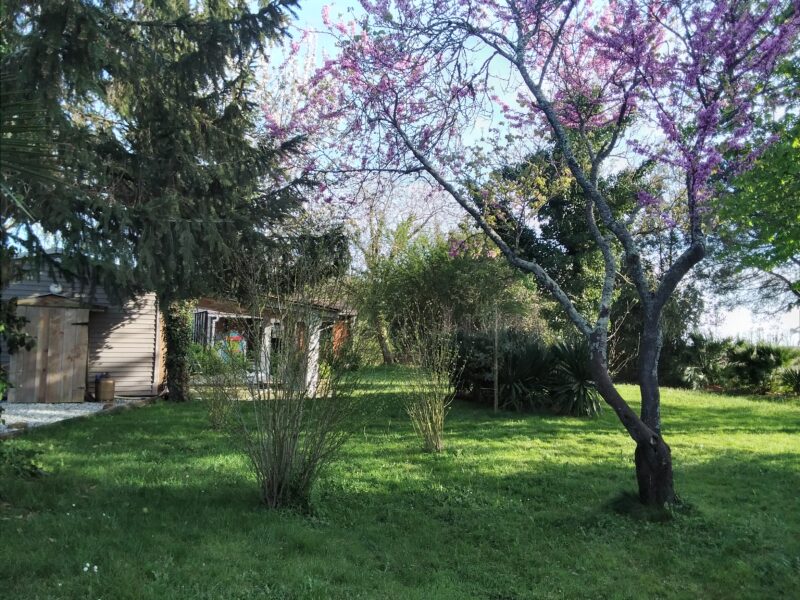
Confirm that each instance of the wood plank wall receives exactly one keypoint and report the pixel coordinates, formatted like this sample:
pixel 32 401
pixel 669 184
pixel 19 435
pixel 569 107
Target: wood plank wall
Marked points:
pixel 55 370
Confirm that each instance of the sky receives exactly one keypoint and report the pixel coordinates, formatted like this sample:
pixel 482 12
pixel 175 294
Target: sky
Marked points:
pixel 740 322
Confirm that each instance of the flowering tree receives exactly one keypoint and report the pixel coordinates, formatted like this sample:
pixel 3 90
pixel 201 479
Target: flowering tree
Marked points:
pixel 450 91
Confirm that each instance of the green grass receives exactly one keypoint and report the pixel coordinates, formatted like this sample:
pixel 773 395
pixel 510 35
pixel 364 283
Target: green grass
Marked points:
pixel 516 507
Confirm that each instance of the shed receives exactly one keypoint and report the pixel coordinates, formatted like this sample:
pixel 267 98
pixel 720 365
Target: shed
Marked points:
pixel 55 370
pixel 217 320
pixel 81 335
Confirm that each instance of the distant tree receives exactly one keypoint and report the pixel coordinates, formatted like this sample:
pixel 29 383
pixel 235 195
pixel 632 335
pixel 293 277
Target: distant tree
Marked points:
pixel 552 228
pixel 381 237
pixel 436 275
pixel 757 246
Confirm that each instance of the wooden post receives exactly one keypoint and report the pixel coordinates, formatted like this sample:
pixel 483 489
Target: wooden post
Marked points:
pixel 311 344
pixel 496 368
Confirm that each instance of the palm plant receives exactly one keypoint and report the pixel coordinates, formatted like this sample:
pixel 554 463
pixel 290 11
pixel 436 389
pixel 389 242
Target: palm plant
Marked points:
pixel 572 389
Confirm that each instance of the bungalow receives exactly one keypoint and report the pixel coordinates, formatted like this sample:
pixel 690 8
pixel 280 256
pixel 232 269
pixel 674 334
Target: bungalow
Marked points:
pixel 218 321
pixel 81 336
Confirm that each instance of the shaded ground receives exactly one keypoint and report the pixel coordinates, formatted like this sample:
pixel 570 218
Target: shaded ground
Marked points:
pixel 516 507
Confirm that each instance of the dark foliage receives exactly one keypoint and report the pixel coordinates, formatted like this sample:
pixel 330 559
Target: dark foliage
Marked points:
pixel 531 374
pixel 12 327
pixel 130 136
pixel 733 366
pixel 153 171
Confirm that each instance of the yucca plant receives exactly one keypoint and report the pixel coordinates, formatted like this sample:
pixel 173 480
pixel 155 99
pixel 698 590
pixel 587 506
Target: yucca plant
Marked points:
pixel 790 377
pixel 752 365
pixel 707 362
pixel 525 367
pixel 572 389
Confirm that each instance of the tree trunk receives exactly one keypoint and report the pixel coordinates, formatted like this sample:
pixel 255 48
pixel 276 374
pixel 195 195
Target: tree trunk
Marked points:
pixel 654 472
pixel 178 334
pixel 652 457
pixel 649 353
pixel 386 352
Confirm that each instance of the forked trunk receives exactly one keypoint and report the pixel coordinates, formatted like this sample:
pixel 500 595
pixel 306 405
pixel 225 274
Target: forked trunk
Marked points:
pixel 652 456
pixel 649 354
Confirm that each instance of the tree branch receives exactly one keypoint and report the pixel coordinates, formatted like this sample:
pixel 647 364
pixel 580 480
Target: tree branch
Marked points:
pixel 530 266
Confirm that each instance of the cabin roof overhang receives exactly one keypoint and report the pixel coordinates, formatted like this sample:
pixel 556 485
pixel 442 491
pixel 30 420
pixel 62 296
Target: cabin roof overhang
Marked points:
pixel 57 301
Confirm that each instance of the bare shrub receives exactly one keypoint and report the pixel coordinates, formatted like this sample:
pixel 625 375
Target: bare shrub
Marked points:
pixel 217 373
pixel 429 345
pixel 289 412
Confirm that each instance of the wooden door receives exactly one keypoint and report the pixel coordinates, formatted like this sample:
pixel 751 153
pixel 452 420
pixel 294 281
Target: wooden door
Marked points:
pixel 55 369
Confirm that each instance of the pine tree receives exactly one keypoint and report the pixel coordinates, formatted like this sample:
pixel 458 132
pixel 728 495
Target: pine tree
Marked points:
pixel 156 170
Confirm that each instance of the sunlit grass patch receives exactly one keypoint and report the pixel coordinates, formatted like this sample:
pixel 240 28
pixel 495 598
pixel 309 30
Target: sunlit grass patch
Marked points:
pixel 516 506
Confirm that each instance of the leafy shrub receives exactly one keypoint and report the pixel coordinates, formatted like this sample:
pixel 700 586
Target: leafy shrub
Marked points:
pixel 790 377
pixel 572 389
pixel 751 366
pixel 196 357
pixel 288 424
pixel 16 462
pixel 214 374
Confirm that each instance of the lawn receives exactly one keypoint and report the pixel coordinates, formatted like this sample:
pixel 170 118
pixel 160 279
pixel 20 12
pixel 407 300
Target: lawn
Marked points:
pixel 516 507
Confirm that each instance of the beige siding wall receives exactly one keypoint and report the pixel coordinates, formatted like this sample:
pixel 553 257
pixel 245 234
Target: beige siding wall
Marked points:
pixel 38 284
pixel 125 342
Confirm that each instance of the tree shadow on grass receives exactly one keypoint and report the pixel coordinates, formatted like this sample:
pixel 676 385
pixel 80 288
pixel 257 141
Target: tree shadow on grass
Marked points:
pixel 459 515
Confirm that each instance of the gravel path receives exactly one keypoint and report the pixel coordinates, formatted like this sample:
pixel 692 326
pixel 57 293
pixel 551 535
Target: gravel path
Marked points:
pixel 19 415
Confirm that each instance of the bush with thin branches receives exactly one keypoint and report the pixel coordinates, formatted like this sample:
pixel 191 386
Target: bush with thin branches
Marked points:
pixel 430 346
pixel 290 414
